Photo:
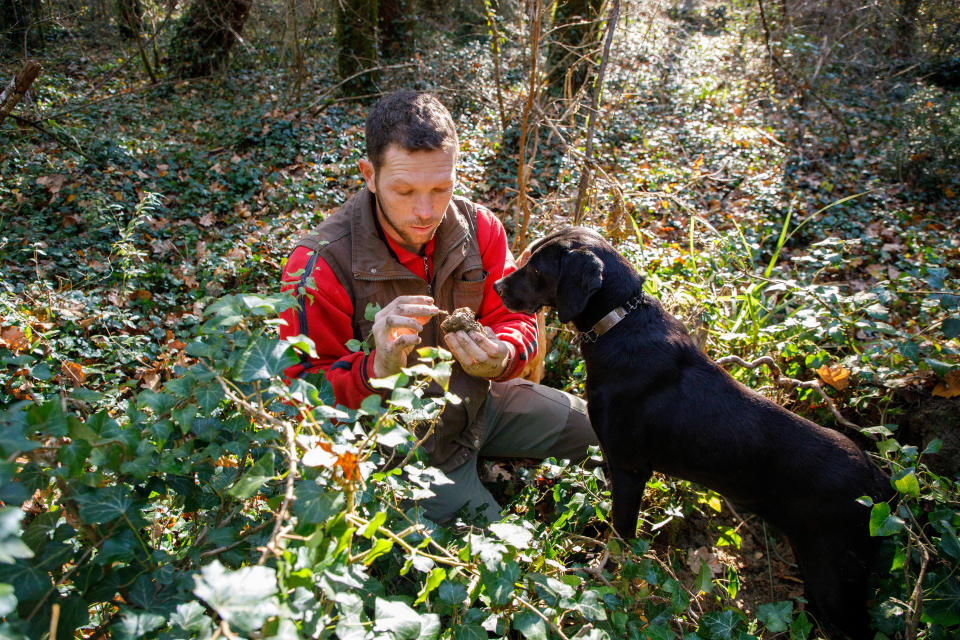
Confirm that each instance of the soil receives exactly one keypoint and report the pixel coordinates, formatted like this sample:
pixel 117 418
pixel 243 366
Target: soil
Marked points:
pixel 462 319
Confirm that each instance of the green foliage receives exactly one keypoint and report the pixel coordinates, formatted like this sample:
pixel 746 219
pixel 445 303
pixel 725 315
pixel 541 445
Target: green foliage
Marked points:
pixel 147 432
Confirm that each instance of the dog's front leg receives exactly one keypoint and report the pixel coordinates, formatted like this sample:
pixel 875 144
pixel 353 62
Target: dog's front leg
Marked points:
pixel 627 491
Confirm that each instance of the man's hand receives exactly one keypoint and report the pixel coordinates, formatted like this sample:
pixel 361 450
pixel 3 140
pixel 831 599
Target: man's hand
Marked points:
pixel 396 331
pixel 482 355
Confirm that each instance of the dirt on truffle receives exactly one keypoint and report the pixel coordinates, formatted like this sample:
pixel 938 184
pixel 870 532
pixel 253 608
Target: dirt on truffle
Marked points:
pixel 462 319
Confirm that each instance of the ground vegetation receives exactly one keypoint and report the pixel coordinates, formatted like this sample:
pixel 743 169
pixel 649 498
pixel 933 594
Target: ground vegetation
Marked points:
pixel 783 174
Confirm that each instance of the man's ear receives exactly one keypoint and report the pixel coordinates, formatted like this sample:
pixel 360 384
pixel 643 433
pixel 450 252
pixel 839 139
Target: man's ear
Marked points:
pixel 581 274
pixel 369 175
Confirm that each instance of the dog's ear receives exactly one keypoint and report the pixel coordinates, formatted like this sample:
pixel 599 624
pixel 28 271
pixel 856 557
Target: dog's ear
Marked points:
pixel 581 273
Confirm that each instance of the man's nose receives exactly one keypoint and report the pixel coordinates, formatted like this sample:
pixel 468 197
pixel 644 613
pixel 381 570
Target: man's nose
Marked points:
pixel 423 207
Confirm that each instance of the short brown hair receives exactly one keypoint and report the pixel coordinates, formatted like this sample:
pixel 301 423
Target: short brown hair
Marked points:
pixel 414 121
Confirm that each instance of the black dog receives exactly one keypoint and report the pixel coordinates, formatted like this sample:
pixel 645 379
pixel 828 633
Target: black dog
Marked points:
pixel 657 403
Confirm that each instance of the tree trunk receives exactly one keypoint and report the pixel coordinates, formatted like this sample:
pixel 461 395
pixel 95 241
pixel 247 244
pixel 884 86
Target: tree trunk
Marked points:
pixel 357 45
pixel 576 40
pixel 396 19
pixel 205 34
pixel 129 18
pixel 906 28
pixel 20 23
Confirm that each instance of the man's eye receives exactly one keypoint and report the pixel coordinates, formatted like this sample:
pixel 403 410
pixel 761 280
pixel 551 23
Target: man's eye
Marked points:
pixel 404 193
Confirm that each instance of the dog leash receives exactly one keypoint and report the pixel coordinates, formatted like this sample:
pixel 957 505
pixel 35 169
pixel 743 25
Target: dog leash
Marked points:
pixel 609 321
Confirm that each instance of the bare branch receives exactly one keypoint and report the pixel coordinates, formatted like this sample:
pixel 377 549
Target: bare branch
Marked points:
pixel 784 382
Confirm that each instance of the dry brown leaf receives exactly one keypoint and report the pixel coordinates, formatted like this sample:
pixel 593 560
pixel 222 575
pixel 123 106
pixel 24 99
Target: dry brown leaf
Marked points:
pixel 207 219
pixel 53 183
pixel 950 387
pixel 14 339
pixel 835 375
pixel 73 373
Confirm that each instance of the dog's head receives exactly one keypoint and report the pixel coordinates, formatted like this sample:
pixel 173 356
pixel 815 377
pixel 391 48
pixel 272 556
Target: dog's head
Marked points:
pixel 563 271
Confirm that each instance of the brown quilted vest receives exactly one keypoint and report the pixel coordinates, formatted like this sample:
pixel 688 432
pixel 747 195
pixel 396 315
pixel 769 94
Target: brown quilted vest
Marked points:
pixel 349 242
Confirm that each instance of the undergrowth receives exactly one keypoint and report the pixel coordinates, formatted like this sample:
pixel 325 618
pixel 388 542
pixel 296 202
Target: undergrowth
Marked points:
pixel 159 480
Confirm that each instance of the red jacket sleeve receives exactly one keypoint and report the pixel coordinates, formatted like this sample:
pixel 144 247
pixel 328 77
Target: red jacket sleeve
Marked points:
pixel 324 315
pixel 519 330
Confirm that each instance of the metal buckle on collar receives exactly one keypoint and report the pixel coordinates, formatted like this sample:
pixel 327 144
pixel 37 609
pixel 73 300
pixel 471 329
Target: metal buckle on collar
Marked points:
pixel 609 321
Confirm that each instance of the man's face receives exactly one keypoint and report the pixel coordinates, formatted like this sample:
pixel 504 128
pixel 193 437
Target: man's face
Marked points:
pixel 414 189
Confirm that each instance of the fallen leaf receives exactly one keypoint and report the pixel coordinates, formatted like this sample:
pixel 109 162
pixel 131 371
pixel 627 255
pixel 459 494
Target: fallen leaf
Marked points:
pixel 703 555
pixel 53 183
pixel 73 373
pixel 14 339
pixel 207 219
pixel 141 294
pixel 835 375
pixel 950 387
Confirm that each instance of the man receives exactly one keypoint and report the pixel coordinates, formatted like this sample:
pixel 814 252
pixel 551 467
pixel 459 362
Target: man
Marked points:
pixel 407 244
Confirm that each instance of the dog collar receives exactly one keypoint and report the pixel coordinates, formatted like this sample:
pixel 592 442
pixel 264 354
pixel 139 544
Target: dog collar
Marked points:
pixel 610 320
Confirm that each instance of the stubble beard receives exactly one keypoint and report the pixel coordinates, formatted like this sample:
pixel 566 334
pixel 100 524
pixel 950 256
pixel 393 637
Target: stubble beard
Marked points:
pixel 388 221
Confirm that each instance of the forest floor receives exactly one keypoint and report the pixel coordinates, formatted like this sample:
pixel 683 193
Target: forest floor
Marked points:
pixel 826 238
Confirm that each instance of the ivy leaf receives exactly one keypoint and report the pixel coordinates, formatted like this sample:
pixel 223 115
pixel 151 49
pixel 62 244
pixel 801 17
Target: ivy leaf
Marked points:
pixel 209 396
pixel 400 622
pixel 137 624
pixel 315 503
pixel 906 483
pixel 245 598
pixel 351 623
pixel 882 522
pixel 8 601
pixel 801 626
pixel 591 606
pixel 48 418
pixel 720 624
pixel 100 506
pixel 371 311
pixel 951 328
pixel 192 616
pixel 514 535
pixel 500 584
pixel 775 616
pixel 437 576
pixel 263 358
pixel 530 625
pixel 159 403
pixel 253 479
pixel 12 547
pixel 704 578
pixel 31 583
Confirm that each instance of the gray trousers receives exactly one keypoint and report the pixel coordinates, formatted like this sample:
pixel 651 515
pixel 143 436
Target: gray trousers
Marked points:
pixel 520 420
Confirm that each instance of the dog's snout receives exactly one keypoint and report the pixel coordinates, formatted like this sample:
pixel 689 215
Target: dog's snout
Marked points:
pixel 498 287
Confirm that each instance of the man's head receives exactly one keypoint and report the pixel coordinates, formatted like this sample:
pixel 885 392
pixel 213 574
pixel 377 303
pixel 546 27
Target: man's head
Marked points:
pixel 410 120
pixel 410 164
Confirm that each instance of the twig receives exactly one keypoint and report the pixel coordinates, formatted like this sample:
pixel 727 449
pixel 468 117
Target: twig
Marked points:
pixel 775 61
pixel 291 452
pixel 522 172
pixel 790 384
pixel 540 615
pixel 495 47
pixel 243 536
pixel 594 107
pixel 53 136
pixel 54 619
pixel 916 598
pixel 450 560
pixel 321 103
